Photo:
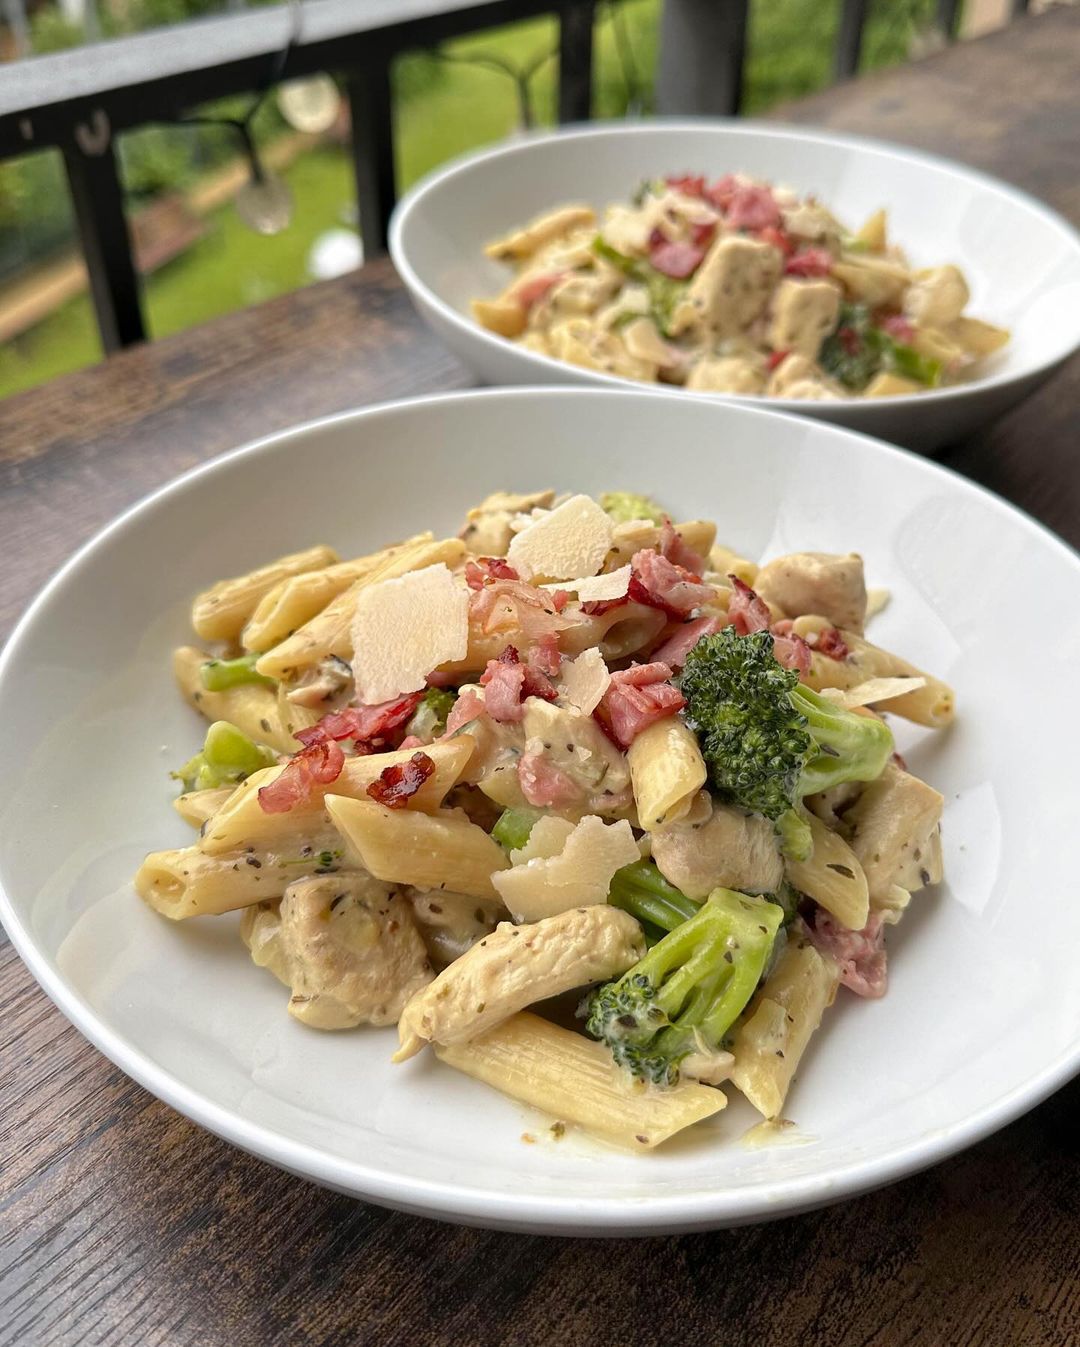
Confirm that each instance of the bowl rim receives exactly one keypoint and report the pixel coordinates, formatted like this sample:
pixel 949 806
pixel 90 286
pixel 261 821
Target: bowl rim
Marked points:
pixel 414 199
pixel 462 1202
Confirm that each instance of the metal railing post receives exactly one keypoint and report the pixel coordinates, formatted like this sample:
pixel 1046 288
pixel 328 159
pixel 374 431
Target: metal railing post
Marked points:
pixel 371 111
pixel 98 199
pixel 576 60
pixel 849 38
pixel 702 53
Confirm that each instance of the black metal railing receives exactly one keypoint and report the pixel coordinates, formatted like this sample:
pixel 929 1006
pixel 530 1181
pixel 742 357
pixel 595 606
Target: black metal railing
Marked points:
pixel 80 101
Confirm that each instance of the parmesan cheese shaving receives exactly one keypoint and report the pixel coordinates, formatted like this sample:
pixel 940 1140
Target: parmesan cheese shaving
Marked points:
pixel 579 876
pixel 583 681
pixel 548 837
pixel 597 588
pixel 873 690
pixel 405 627
pixel 572 540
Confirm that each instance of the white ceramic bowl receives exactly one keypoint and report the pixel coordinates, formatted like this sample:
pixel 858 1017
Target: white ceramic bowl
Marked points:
pixel 981 1018
pixel 1022 261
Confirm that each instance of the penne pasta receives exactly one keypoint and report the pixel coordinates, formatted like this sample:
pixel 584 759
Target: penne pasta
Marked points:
pixel 666 771
pixel 575 1081
pixel 618 633
pixel 698 535
pixel 243 822
pixel 833 877
pixel 219 613
pixel 428 851
pixel 199 806
pixel 777 1025
pixel 252 707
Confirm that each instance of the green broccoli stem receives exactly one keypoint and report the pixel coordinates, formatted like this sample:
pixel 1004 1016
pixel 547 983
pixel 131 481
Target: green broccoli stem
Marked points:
pixel 428 721
pixel 513 827
pixel 642 890
pixel 623 506
pixel 218 675
pixel 227 756
pixel 848 747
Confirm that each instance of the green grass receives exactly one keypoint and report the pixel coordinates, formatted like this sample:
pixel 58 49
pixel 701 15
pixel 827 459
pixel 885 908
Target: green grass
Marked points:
pixel 441 112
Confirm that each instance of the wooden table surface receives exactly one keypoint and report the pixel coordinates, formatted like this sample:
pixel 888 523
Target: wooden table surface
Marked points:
pixel 122 1223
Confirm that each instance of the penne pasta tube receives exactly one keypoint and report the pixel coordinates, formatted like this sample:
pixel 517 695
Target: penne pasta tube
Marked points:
pixel 576 1081
pixel 242 822
pixel 188 883
pixel 697 534
pixel 219 613
pixel 251 707
pixel 198 806
pixel 296 600
pixel 666 771
pixel 832 876
pixel 619 632
pixel 428 851
pixel 933 704
pixel 329 632
pixel 776 1027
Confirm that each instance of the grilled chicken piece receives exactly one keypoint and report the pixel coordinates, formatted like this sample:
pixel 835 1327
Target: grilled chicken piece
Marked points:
pixel 728 849
pixel 831 586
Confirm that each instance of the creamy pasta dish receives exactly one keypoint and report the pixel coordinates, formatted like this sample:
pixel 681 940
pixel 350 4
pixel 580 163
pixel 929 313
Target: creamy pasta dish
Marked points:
pixel 579 751
pixel 735 286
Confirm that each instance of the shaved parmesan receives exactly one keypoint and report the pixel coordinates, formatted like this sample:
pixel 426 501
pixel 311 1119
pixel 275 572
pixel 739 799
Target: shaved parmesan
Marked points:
pixel 578 876
pixel 547 838
pixel 583 681
pixel 876 600
pixel 597 588
pixel 405 627
pixel 572 540
pixel 873 690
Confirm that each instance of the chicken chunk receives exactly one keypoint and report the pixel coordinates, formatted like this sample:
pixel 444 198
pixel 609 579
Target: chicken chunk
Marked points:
pixel 809 220
pixel 516 967
pixel 729 850
pixel 487 531
pixel 799 377
pixel 575 744
pixel 804 313
pixel 936 296
pixel 817 582
pixel 726 374
pixel 892 824
pixel 543 230
pixel 730 289
pixel 579 341
pixel 347 947
pixel 451 923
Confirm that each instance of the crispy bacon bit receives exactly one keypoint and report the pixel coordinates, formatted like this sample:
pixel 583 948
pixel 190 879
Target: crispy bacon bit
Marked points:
pixel 532 290
pixel 673 547
pixel 721 192
pixel 702 233
pixel 809 262
pixel 513 605
pixel 598 607
pixel 792 652
pixel 747 611
pixel 367 725
pixel 677 260
pixel 778 239
pixel 830 642
pixel 543 784
pixel 636 698
pixel 687 184
pixel 468 707
pixel 849 339
pixel 483 570
pixel 678 645
pixel 776 358
pixel 663 584
pixel 507 682
pixel 546 655
pixel 411 741
pixel 396 785
pixel 559 599
pixel 899 328
pixel 752 207
pixel 318 764
pixel 860 954
pixel 435 679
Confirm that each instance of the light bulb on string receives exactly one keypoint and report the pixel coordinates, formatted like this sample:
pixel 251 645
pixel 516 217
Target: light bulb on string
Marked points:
pixel 264 203
pixel 311 104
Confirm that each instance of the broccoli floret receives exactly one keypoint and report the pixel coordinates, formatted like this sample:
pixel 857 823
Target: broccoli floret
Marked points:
pixel 680 1000
pixel 664 291
pixel 428 721
pixel 228 756
pixel 218 675
pixel 642 890
pixel 623 506
pixel 768 740
pixel 857 350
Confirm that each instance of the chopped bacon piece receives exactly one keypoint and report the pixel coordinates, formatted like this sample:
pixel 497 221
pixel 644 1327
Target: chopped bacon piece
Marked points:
pixel 396 784
pixel 560 598
pixel 507 682
pixel 792 652
pixel 546 655
pixel 830 642
pixel 809 262
pixel 746 610
pixel 702 233
pixel 849 339
pixel 662 584
pixel 513 605
pixel 899 328
pixel 687 184
pixel 638 697
pixel 533 289
pixel 543 783
pixel 673 547
pixel 860 954
pixel 411 741
pixel 677 260
pixel 752 208
pixel 365 724
pixel 776 358
pixel 483 570
pixel 435 679
pixel 317 764
pixel 778 239
pixel 677 646
pixel 598 607
pixel 467 707
pixel 721 192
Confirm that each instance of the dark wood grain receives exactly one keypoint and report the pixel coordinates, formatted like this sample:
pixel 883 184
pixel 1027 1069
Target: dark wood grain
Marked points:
pixel 122 1225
